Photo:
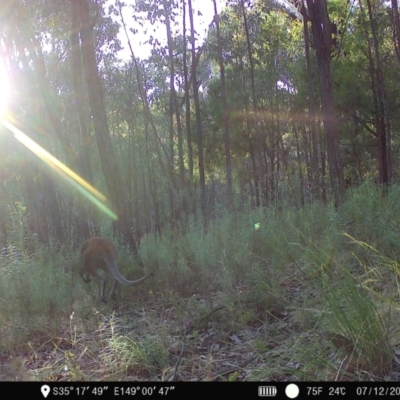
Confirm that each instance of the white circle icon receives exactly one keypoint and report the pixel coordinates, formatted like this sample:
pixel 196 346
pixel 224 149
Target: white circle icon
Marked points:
pixel 292 391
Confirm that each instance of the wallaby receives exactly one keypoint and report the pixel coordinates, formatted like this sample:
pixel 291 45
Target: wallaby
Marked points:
pixel 98 252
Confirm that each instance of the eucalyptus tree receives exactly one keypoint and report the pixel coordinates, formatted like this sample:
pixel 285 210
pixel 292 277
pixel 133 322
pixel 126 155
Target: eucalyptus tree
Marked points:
pixel 270 42
pixel 164 14
pixel 195 52
pixel 187 95
pixel 361 48
pixel 225 106
pixel 322 36
pixel 231 44
pixel 382 117
pixel 108 159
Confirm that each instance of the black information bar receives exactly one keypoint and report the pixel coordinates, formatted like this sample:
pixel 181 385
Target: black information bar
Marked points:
pixel 186 390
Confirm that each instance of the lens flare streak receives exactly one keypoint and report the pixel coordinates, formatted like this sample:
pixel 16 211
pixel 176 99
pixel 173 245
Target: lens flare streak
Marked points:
pixel 75 180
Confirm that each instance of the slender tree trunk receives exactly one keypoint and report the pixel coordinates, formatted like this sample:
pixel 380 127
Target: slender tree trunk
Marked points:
pixel 199 129
pixel 79 98
pixel 174 101
pixel 356 157
pixel 299 164
pixel 148 115
pixel 261 171
pixel 396 27
pixel 378 104
pixel 187 106
pixel 321 28
pixel 322 152
pixel 134 194
pixel 174 110
pixel 385 137
pixel 307 152
pixel 83 165
pixel 225 107
pixel 98 110
pixel 313 129
pixel 249 129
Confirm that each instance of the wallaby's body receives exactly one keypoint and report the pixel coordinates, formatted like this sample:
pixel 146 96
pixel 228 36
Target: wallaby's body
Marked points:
pixel 98 252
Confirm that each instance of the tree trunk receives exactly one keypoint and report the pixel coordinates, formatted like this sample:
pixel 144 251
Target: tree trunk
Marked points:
pixel 225 107
pixel 187 108
pixel 98 110
pixel 379 114
pixel 321 28
pixel 174 110
pixel 83 165
pixel 199 129
pixel 261 172
pixel 396 27
pixel 316 184
pixel 384 137
pixel 174 101
pixel 299 164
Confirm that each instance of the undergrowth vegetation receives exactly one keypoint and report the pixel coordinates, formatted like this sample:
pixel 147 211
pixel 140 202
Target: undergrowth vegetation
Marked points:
pixel 308 294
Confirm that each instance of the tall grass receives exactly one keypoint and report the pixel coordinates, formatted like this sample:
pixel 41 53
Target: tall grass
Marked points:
pixel 312 292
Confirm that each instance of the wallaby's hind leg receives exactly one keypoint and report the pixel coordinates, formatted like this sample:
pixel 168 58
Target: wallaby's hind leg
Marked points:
pixel 112 293
pixel 102 285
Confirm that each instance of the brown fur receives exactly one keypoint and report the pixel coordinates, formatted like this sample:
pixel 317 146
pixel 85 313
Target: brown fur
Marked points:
pixel 98 252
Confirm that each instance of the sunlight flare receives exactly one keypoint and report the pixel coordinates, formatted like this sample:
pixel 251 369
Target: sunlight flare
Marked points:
pixel 75 180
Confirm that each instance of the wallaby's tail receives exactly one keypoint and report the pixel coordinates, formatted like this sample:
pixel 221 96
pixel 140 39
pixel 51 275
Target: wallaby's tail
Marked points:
pixel 115 273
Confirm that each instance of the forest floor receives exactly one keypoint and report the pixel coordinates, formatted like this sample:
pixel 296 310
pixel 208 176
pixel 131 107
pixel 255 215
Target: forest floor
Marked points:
pixel 164 337
pixel 307 294
pixel 189 340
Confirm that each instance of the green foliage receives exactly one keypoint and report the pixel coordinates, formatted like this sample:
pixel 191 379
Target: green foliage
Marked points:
pixel 282 272
pixel 294 274
pixel 133 353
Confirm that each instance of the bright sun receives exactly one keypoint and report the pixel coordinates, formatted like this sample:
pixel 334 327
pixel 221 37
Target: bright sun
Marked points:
pixel 4 89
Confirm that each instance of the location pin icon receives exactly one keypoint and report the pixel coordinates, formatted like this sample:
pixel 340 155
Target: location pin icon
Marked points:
pixel 45 389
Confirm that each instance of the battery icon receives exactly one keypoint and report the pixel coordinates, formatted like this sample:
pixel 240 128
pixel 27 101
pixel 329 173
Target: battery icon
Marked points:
pixel 266 391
